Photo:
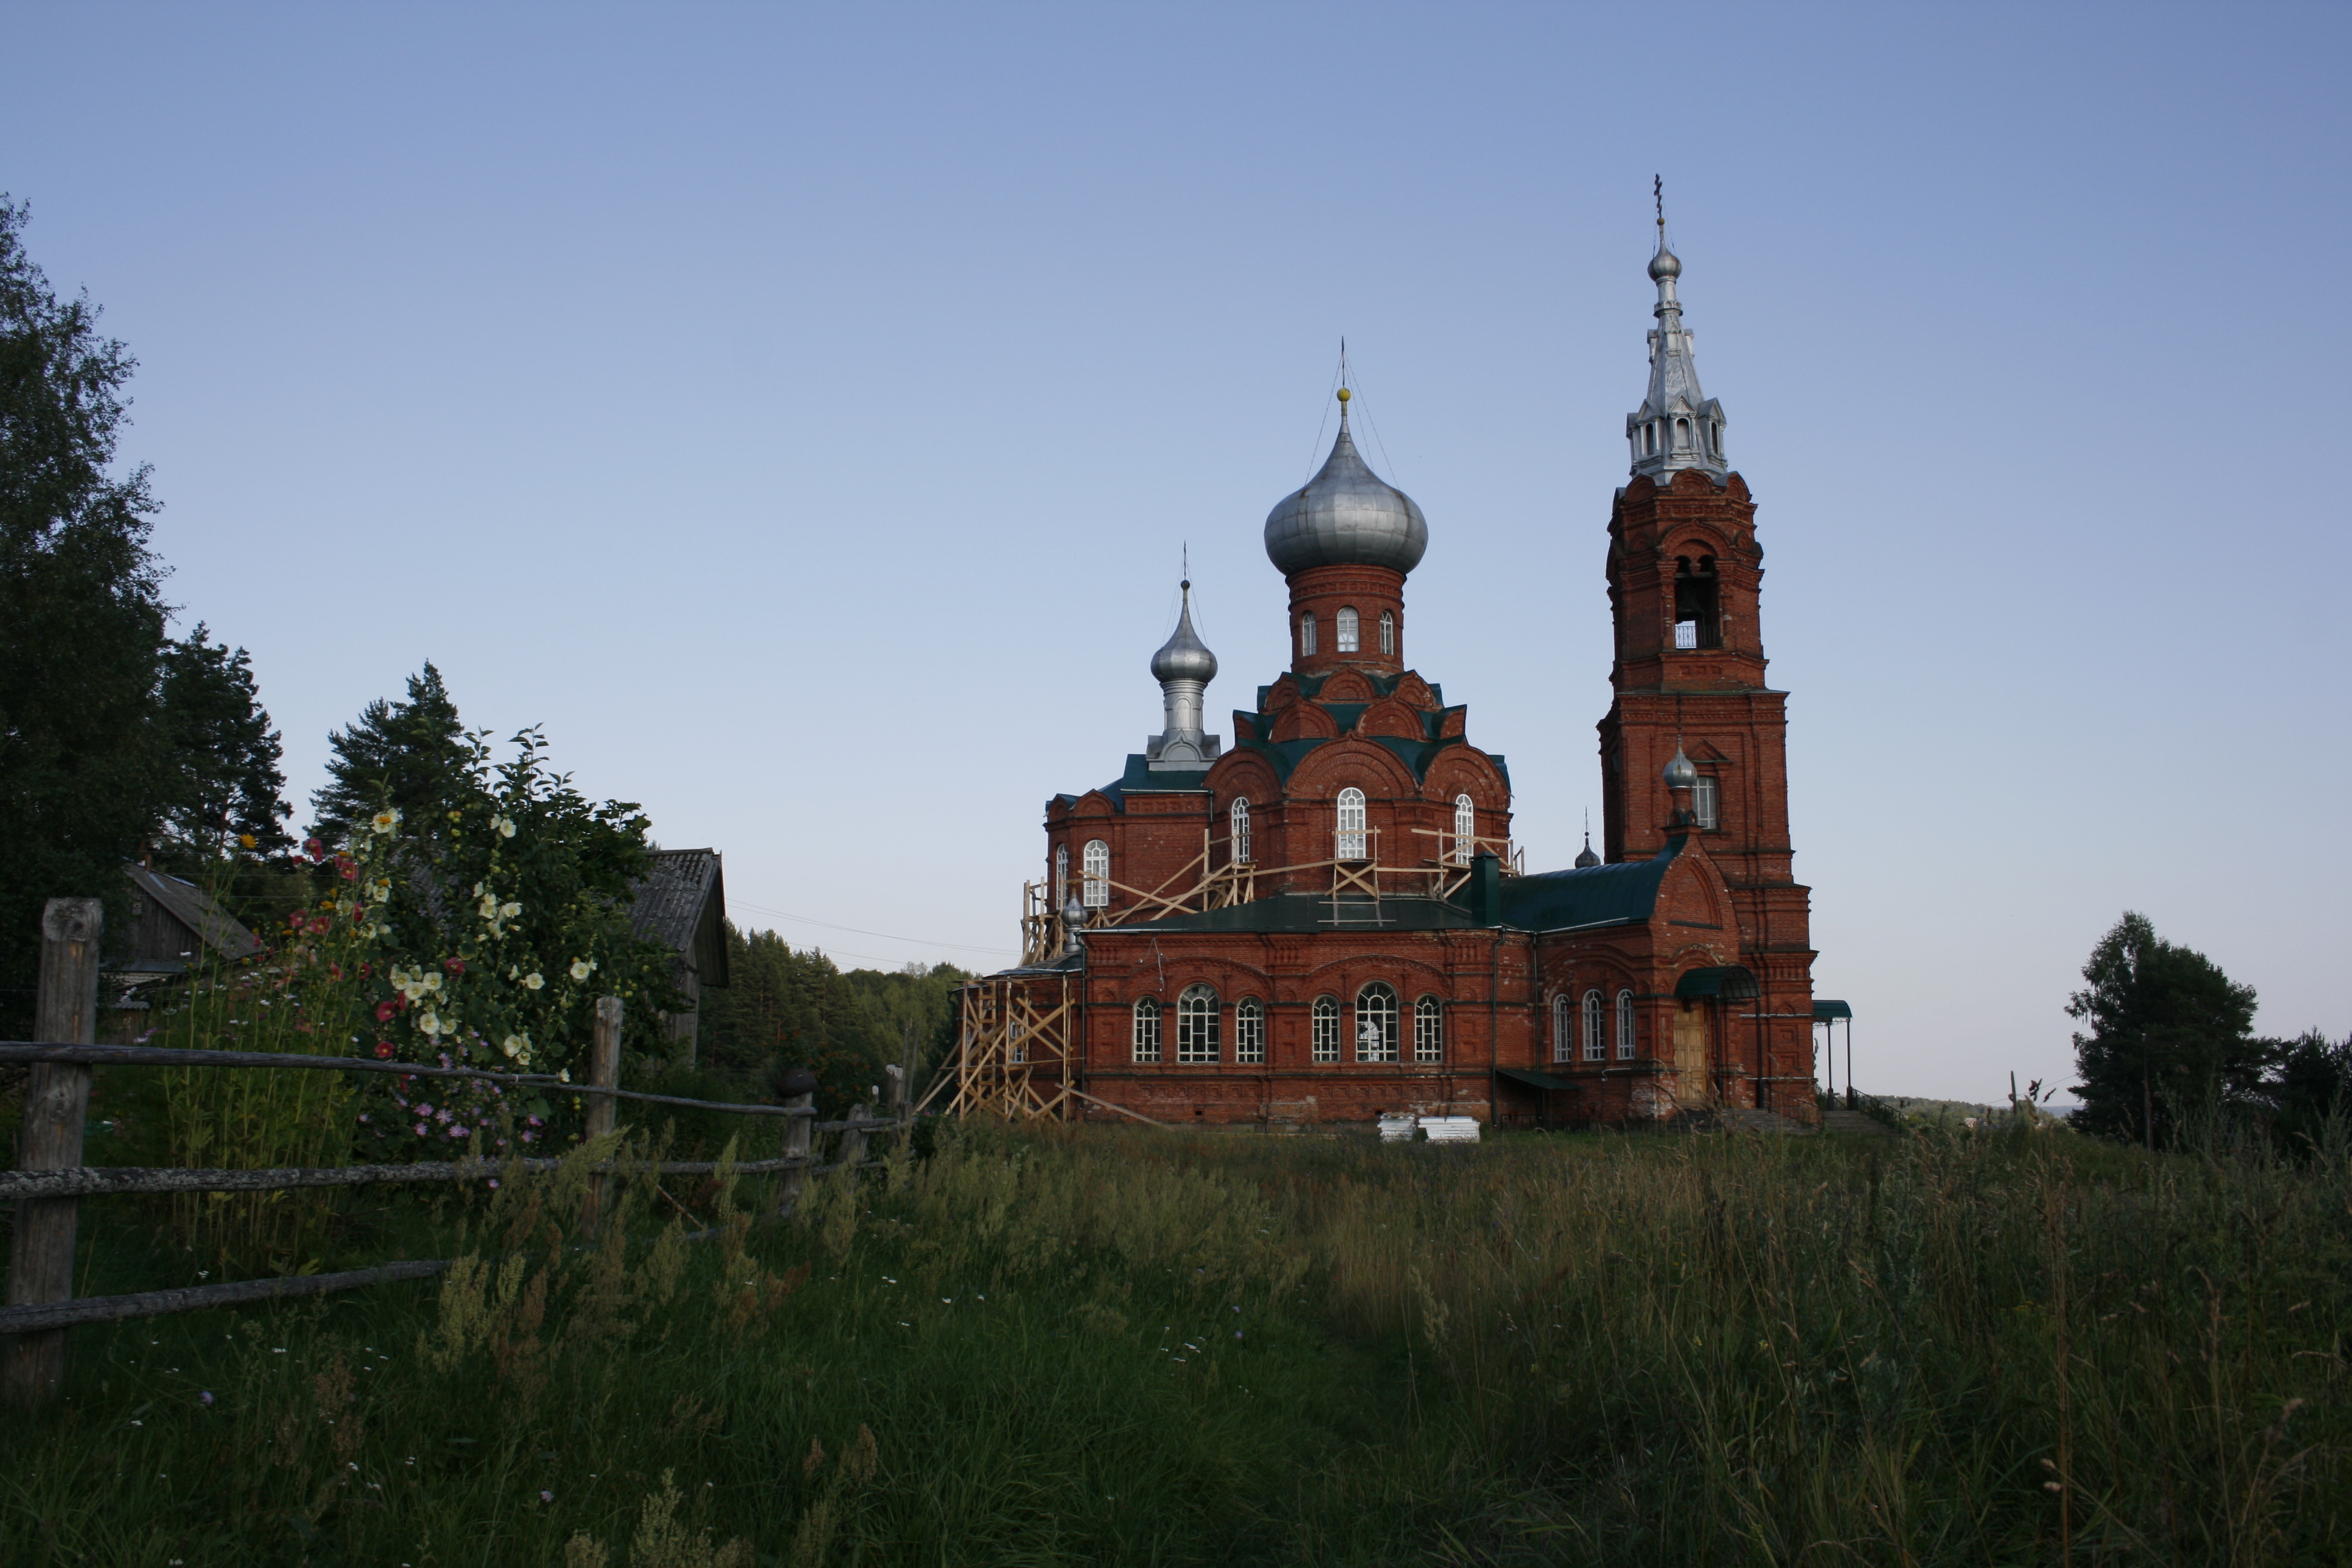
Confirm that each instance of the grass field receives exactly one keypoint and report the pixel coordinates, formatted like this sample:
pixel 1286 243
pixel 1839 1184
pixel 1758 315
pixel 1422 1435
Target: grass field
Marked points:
pixel 1099 1345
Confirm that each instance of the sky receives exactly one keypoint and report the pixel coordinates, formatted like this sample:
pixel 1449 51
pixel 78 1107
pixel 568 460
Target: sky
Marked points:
pixel 801 412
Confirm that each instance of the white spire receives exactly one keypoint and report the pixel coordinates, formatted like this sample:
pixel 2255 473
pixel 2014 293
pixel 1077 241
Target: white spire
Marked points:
pixel 1677 426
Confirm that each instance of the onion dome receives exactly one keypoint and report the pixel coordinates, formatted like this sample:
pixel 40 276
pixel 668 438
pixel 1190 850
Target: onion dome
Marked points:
pixel 1666 264
pixel 1679 774
pixel 1345 516
pixel 1185 656
pixel 1586 859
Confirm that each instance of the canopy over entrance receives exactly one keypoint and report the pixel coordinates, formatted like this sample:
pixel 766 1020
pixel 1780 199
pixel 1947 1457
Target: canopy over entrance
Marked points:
pixel 1824 1011
pixel 1533 1079
pixel 1730 983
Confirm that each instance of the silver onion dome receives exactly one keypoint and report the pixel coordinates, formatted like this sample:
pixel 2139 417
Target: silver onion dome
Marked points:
pixel 1679 774
pixel 1666 264
pixel 1345 516
pixel 1185 656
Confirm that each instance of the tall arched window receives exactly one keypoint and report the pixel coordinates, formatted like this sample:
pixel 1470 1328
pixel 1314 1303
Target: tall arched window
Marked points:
pixel 1563 1014
pixel 1147 1030
pixel 1239 817
pixel 1388 633
pixel 1196 1025
pixel 1096 863
pixel 1249 1031
pixel 1305 634
pixel 1624 1026
pixel 1594 1047
pixel 1326 1028
pixel 1346 641
pixel 1376 1024
pixel 1465 830
pixel 1351 845
pixel 1682 433
pixel 1061 877
pixel 1429 1030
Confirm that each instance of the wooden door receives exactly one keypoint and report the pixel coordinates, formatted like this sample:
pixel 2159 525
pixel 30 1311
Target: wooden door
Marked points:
pixel 1690 1052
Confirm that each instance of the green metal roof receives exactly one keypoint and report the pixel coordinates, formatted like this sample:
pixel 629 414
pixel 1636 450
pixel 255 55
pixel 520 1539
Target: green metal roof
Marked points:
pixel 1625 893
pixel 1532 1078
pixel 1308 912
pixel 1729 982
pixel 1824 1011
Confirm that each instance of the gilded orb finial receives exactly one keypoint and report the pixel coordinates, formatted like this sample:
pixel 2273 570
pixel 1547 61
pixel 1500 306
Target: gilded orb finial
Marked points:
pixel 1343 395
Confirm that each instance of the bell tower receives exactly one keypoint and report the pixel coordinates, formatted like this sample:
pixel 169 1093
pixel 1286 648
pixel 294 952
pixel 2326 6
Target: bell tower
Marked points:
pixel 1686 574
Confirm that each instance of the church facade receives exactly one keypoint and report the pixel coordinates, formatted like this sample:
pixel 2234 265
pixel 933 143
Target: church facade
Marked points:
pixel 1326 920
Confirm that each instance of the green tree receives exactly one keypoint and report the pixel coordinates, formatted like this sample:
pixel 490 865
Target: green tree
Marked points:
pixel 223 785
pixel 412 756
pixel 2310 1086
pixel 918 1000
pixel 2171 1037
pixel 81 614
pixel 783 1009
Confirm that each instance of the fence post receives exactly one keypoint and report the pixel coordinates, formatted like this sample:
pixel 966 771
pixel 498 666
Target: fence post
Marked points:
pixel 603 1072
pixel 799 1086
pixel 853 1142
pixel 56 1103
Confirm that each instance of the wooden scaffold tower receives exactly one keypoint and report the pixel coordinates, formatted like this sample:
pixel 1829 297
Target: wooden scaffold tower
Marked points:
pixel 1017 1050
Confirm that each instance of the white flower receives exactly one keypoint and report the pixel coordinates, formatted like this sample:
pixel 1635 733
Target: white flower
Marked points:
pixel 533 981
pixel 429 1022
pixel 380 890
pixel 581 969
pixel 491 906
pixel 509 911
pixel 505 826
pixel 384 820
pixel 518 1047
pixel 430 982
pixel 563 1076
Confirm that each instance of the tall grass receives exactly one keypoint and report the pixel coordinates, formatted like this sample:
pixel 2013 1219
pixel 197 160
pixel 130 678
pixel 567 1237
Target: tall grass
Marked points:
pixel 1099 1345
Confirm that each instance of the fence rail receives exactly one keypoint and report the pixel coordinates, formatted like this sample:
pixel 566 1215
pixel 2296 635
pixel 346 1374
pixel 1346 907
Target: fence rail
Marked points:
pixel 53 1180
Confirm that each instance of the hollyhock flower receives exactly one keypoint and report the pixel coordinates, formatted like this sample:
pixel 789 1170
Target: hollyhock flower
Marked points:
pixel 384 820
pixel 509 911
pixel 581 969
pixel 429 1022
pixel 505 825
pixel 454 965
pixel 420 1130
pixel 533 981
pixel 315 848
pixel 383 1050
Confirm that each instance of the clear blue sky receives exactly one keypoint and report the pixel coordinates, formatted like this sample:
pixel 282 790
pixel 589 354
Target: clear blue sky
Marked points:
pixel 799 411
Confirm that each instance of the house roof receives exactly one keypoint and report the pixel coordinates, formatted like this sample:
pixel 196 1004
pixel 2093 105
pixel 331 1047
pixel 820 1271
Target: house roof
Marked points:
pixel 682 904
pixel 194 909
pixel 1624 893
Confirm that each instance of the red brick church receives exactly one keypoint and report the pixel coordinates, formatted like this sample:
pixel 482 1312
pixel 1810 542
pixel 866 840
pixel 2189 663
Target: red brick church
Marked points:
pixel 1326 920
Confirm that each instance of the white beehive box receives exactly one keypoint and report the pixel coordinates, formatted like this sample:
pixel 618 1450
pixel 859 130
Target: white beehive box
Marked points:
pixel 1450 1129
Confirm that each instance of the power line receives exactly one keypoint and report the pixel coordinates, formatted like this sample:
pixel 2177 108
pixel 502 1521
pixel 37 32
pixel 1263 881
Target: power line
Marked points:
pixel 861 930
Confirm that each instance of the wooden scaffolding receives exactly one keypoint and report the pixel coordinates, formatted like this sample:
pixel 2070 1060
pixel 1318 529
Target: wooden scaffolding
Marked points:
pixel 1017 1050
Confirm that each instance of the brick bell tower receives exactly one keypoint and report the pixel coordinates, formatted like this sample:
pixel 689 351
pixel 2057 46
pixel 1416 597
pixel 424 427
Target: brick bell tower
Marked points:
pixel 1692 704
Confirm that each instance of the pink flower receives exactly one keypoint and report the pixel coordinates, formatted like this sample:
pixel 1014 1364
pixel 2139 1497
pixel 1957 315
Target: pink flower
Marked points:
pixel 315 848
pixel 384 1012
pixel 383 1050
pixel 420 1130
pixel 454 965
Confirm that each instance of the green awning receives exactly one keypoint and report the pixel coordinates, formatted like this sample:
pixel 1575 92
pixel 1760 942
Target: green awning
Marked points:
pixel 1730 983
pixel 1532 1078
pixel 1824 1011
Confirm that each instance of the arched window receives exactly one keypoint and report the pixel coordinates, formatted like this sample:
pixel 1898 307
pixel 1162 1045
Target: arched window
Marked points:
pixel 1305 634
pixel 1147 1030
pixel 1594 1047
pixel 1351 845
pixel 1465 830
pixel 1376 1024
pixel 1388 633
pixel 1239 817
pixel 1326 1028
pixel 1061 877
pixel 1249 1031
pixel 1682 433
pixel 1346 641
pixel 1563 1047
pixel 1196 1025
pixel 1429 1030
pixel 1624 1026
pixel 1096 863
pixel 1650 440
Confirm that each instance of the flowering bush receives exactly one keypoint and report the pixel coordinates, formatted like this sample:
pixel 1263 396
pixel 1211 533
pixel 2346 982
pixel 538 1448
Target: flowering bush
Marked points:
pixel 437 1113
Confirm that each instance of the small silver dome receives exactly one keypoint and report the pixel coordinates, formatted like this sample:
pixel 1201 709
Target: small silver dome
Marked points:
pixel 1184 657
pixel 1664 265
pixel 1586 859
pixel 1679 774
pixel 1345 516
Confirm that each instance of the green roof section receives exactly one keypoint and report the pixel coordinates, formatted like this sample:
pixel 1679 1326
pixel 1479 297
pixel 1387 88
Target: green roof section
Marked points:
pixel 1825 1010
pixel 1305 912
pixel 1625 893
pixel 1534 1079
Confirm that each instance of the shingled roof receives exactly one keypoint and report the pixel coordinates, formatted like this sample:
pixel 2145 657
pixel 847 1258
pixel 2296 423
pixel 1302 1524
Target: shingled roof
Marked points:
pixel 682 904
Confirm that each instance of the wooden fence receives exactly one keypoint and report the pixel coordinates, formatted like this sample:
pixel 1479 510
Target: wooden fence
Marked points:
pixel 51 1181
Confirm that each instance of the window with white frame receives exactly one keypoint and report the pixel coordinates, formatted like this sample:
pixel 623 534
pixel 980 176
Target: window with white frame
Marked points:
pixel 1240 818
pixel 1017 1034
pixel 1327 1029
pixel 1388 633
pixel 1346 641
pixel 1465 830
pixel 1350 844
pixel 1429 1030
pixel 1147 1030
pixel 1595 1048
pixel 1249 1031
pixel 1624 1026
pixel 1376 1024
pixel 1096 863
pixel 1305 634
pixel 1563 1013
pixel 1196 1025
pixel 1061 877
pixel 1703 801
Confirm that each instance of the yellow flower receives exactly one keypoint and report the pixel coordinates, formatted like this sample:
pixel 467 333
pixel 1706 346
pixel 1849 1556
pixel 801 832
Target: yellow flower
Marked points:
pixel 244 841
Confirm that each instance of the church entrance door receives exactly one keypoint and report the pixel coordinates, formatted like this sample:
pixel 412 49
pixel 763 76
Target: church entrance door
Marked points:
pixel 1690 1052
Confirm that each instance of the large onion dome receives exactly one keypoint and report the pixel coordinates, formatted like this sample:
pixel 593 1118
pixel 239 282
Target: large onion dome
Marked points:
pixel 1345 516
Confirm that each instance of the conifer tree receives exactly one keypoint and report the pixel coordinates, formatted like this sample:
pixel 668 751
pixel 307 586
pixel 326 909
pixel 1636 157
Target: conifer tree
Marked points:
pixel 81 614
pixel 225 782
pixel 2171 1037
pixel 412 754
